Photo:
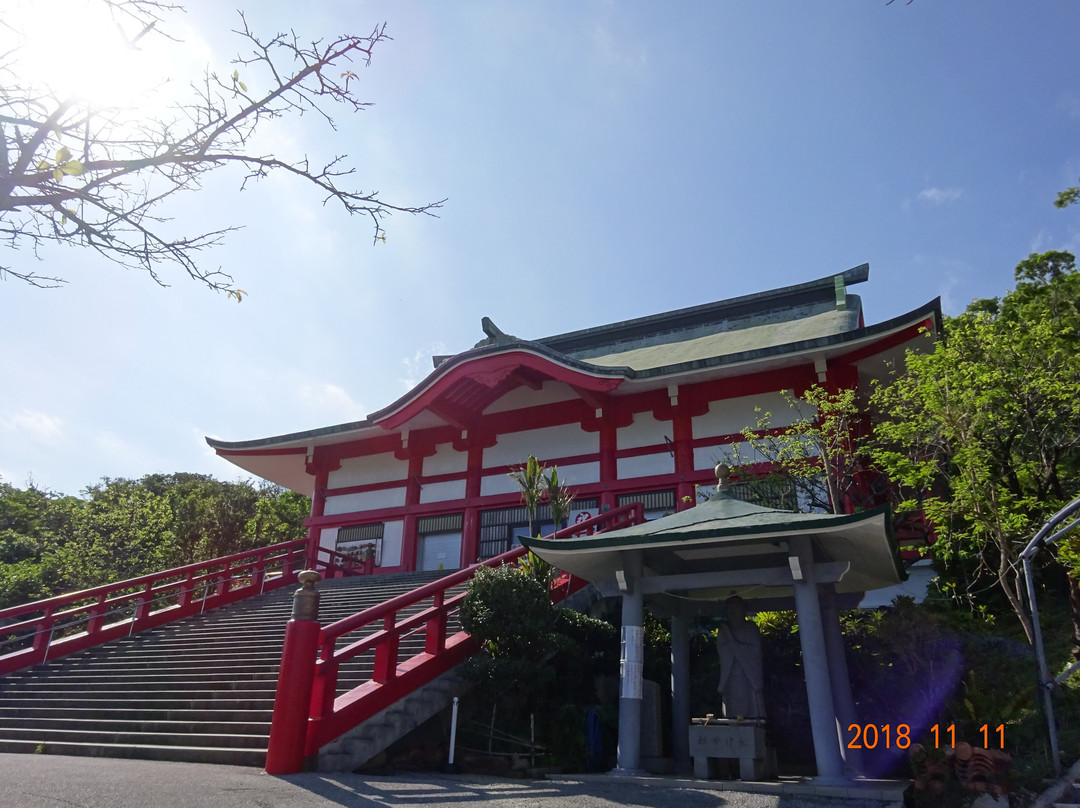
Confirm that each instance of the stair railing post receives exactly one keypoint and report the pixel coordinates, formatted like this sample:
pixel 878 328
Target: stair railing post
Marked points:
pixel 386 652
pixel 223 582
pixel 258 571
pixel 292 701
pixel 435 633
pixel 324 688
pixel 187 590
pixel 97 611
pixel 43 637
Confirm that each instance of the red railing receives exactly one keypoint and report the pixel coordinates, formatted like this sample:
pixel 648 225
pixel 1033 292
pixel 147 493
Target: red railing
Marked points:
pixel 297 732
pixel 46 629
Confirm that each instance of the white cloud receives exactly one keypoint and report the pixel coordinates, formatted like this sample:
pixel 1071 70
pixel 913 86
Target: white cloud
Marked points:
pixel 329 402
pixel 121 452
pixel 32 425
pixel 616 53
pixel 940 196
pixel 418 366
pixel 1041 241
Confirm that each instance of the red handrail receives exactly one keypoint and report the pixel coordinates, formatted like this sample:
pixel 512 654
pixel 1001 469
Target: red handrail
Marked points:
pixel 61 625
pixel 315 683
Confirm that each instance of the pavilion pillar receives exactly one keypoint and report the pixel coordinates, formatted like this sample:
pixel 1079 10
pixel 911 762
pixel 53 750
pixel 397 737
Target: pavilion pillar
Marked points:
pixel 631 666
pixel 830 764
pixel 680 694
pixel 840 679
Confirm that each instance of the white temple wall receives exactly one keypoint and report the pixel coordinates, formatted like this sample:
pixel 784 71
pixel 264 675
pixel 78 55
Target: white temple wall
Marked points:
pixel 514 448
pixel 380 468
pixel 446 460
pixel 364 501
pixel 328 538
pixel 580 473
pixel 391 543
pixel 492 484
pixel 645 431
pixel 706 457
pixel 645 465
pixel 521 397
pixel 440 492
pixel 731 416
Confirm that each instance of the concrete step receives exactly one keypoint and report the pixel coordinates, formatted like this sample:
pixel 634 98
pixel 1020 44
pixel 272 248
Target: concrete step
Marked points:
pixel 40 735
pixel 185 754
pixel 32 713
pixel 167 701
pixel 115 725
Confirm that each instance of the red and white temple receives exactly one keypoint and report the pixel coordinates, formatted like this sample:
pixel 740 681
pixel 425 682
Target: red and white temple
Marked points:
pixel 639 410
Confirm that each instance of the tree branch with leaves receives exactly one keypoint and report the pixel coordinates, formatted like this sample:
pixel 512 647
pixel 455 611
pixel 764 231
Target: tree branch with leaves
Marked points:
pixel 984 432
pixel 99 177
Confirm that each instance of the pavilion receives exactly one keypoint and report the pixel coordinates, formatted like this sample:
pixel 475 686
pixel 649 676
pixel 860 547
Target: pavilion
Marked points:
pixel 687 564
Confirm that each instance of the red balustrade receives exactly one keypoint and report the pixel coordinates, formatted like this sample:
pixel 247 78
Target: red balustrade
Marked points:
pixel 46 629
pixel 310 664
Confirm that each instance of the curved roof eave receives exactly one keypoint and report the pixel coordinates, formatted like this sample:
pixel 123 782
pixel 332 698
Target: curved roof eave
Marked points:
pixel 600 554
pixel 584 370
pixel 621 372
pixel 448 371
pixel 297 439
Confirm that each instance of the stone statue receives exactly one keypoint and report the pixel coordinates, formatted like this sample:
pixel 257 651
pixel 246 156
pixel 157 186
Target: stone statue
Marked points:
pixel 742 680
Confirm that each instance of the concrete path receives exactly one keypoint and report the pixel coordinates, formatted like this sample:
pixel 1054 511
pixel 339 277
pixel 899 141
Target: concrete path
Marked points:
pixel 56 781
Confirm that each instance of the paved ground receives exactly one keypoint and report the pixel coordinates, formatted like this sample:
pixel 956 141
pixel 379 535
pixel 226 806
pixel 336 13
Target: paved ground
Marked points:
pixel 55 781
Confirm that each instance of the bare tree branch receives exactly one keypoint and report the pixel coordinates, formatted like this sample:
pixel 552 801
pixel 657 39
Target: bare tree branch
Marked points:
pixel 101 177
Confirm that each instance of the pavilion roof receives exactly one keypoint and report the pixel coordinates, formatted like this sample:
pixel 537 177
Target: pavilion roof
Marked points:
pixel 744 544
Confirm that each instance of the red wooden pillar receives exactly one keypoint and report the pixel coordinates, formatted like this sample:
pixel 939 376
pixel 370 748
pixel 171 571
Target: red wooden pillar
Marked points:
pixel 609 464
pixel 683 439
pixel 321 470
pixel 470 529
pixel 410 541
pixel 292 701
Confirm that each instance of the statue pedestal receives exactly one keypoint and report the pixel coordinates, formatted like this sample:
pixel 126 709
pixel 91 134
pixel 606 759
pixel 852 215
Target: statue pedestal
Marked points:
pixel 730 738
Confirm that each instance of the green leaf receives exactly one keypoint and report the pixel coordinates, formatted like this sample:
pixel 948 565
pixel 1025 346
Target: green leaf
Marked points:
pixel 43 165
pixel 57 174
pixel 72 168
pixel 242 86
pixel 63 154
pixel 236 75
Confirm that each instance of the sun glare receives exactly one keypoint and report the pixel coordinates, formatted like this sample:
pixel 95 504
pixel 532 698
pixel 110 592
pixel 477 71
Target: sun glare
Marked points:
pixel 78 49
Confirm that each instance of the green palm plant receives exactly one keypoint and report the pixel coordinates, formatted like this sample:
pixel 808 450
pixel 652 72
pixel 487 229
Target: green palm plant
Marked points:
pixel 559 498
pixel 530 478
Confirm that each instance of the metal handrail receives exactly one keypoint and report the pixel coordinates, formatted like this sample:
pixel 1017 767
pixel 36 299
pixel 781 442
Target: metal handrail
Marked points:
pixel 83 594
pixel 214 577
pixel 1047 683
pixel 87 618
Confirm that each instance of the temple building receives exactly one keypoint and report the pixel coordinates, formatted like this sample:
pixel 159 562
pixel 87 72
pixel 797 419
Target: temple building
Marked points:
pixel 637 410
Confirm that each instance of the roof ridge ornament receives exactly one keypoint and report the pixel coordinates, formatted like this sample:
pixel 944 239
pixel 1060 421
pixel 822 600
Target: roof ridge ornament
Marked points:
pixel 495 335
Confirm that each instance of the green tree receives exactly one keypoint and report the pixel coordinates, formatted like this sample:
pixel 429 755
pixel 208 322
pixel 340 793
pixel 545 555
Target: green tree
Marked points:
pixel 124 528
pixel 72 172
pixel 1070 196
pixel 983 433
pixel 817 451
pixel 279 517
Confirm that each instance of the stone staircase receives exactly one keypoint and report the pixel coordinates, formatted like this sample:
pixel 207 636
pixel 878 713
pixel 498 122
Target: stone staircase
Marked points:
pixel 196 690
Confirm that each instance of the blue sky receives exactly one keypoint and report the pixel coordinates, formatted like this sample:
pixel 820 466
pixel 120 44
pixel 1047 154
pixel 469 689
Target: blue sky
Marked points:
pixel 600 160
